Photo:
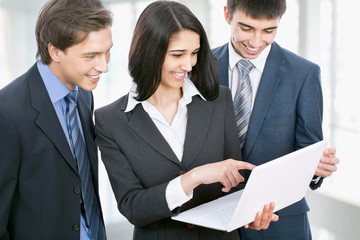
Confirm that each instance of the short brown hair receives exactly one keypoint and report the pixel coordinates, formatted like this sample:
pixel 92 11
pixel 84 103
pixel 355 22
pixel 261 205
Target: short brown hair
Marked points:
pixel 258 9
pixel 65 23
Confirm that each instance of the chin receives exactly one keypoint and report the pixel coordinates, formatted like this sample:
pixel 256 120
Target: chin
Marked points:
pixel 88 87
pixel 181 83
pixel 251 56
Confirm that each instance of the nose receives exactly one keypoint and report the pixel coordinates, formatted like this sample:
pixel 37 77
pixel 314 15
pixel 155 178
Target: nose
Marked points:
pixel 187 64
pixel 102 64
pixel 255 41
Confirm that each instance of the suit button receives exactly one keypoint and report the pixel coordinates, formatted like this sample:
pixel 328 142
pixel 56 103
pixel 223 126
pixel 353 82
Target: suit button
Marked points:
pixel 190 226
pixel 76 227
pixel 181 173
pixel 77 190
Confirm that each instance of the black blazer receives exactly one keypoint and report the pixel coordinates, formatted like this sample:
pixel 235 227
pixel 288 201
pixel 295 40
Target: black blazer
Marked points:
pixel 140 163
pixel 38 173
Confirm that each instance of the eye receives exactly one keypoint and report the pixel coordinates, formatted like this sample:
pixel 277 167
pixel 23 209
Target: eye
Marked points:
pixel 269 31
pixel 245 29
pixel 89 57
pixel 177 55
pixel 195 53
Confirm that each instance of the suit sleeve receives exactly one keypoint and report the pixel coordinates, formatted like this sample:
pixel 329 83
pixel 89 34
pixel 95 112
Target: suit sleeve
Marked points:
pixel 310 113
pixel 139 205
pixel 9 167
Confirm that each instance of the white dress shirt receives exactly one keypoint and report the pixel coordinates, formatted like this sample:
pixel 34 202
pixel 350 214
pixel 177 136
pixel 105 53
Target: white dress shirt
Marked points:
pixel 174 134
pixel 255 74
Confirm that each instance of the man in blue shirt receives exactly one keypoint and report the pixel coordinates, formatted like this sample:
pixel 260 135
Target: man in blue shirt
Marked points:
pixel 48 160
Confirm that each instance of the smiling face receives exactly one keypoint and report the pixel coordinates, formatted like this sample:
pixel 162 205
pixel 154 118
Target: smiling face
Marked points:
pixel 180 57
pixel 81 64
pixel 249 36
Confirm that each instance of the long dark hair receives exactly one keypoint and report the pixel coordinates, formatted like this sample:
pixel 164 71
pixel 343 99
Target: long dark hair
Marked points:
pixel 157 23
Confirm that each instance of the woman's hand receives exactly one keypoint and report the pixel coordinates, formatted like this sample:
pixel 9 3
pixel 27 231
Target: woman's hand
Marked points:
pixel 225 172
pixel 264 218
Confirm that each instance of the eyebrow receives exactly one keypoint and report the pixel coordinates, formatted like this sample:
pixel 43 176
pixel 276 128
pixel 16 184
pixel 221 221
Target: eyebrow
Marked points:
pixel 96 53
pixel 183 50
pixel 245 25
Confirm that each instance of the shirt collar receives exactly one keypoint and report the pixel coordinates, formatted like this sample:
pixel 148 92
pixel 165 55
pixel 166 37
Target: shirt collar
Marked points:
pixel 55 88
pixel 259 62
pixel 188 87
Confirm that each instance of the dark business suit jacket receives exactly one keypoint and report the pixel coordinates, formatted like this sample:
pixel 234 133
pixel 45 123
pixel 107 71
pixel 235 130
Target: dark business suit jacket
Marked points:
pixel 287 115
pixel 38 175
pixel 140 163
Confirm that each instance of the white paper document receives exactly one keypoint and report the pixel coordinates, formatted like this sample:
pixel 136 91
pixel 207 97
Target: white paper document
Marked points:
pixel 284 181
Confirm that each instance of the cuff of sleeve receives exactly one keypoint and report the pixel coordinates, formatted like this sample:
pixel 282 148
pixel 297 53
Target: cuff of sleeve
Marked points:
pixel 315 180
pixel 175 195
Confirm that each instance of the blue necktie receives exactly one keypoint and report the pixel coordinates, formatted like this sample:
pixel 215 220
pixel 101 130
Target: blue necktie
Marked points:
pixel 78 148
pixel 243 100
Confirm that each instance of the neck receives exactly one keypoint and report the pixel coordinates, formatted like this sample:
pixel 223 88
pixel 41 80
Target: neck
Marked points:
pixel 164 97
pixel 55 69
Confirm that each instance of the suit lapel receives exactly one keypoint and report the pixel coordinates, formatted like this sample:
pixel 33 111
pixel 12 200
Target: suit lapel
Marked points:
pixel 199 117
pixel 47 119
pixel 142 124
pixel 222 59
pixel 269 83
pixel 85 114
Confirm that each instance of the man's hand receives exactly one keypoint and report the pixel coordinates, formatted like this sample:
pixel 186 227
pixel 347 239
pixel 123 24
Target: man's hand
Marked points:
pixel 327 163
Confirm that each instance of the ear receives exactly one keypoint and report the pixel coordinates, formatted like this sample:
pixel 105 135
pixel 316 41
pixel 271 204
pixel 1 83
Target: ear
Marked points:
pixel 227 15
pixel 54 53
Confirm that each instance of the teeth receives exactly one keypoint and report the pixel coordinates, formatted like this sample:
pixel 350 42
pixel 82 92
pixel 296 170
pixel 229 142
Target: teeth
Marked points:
pixel 252 49
pixel 93 76
pixel 179 74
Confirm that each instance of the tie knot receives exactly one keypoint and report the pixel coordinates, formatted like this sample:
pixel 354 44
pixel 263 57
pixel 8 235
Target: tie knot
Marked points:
pixel 71 97
pixel 245 66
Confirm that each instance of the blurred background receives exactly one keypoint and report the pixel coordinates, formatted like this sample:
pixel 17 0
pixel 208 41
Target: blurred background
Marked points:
pixel 323 31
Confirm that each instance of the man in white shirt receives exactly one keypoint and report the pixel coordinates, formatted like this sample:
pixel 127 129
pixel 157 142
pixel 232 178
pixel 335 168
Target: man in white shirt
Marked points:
pixel 286 102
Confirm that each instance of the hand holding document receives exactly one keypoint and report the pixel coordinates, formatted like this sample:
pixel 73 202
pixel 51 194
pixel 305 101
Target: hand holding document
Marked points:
pixel 284 181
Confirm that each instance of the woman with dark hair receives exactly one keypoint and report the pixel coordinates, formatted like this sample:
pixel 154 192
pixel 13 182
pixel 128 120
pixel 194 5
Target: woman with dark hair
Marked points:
pixel 165 142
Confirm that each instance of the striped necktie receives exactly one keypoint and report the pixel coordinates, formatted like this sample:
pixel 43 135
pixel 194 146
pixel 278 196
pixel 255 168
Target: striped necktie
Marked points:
pixel 243 99
pixel 78 148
